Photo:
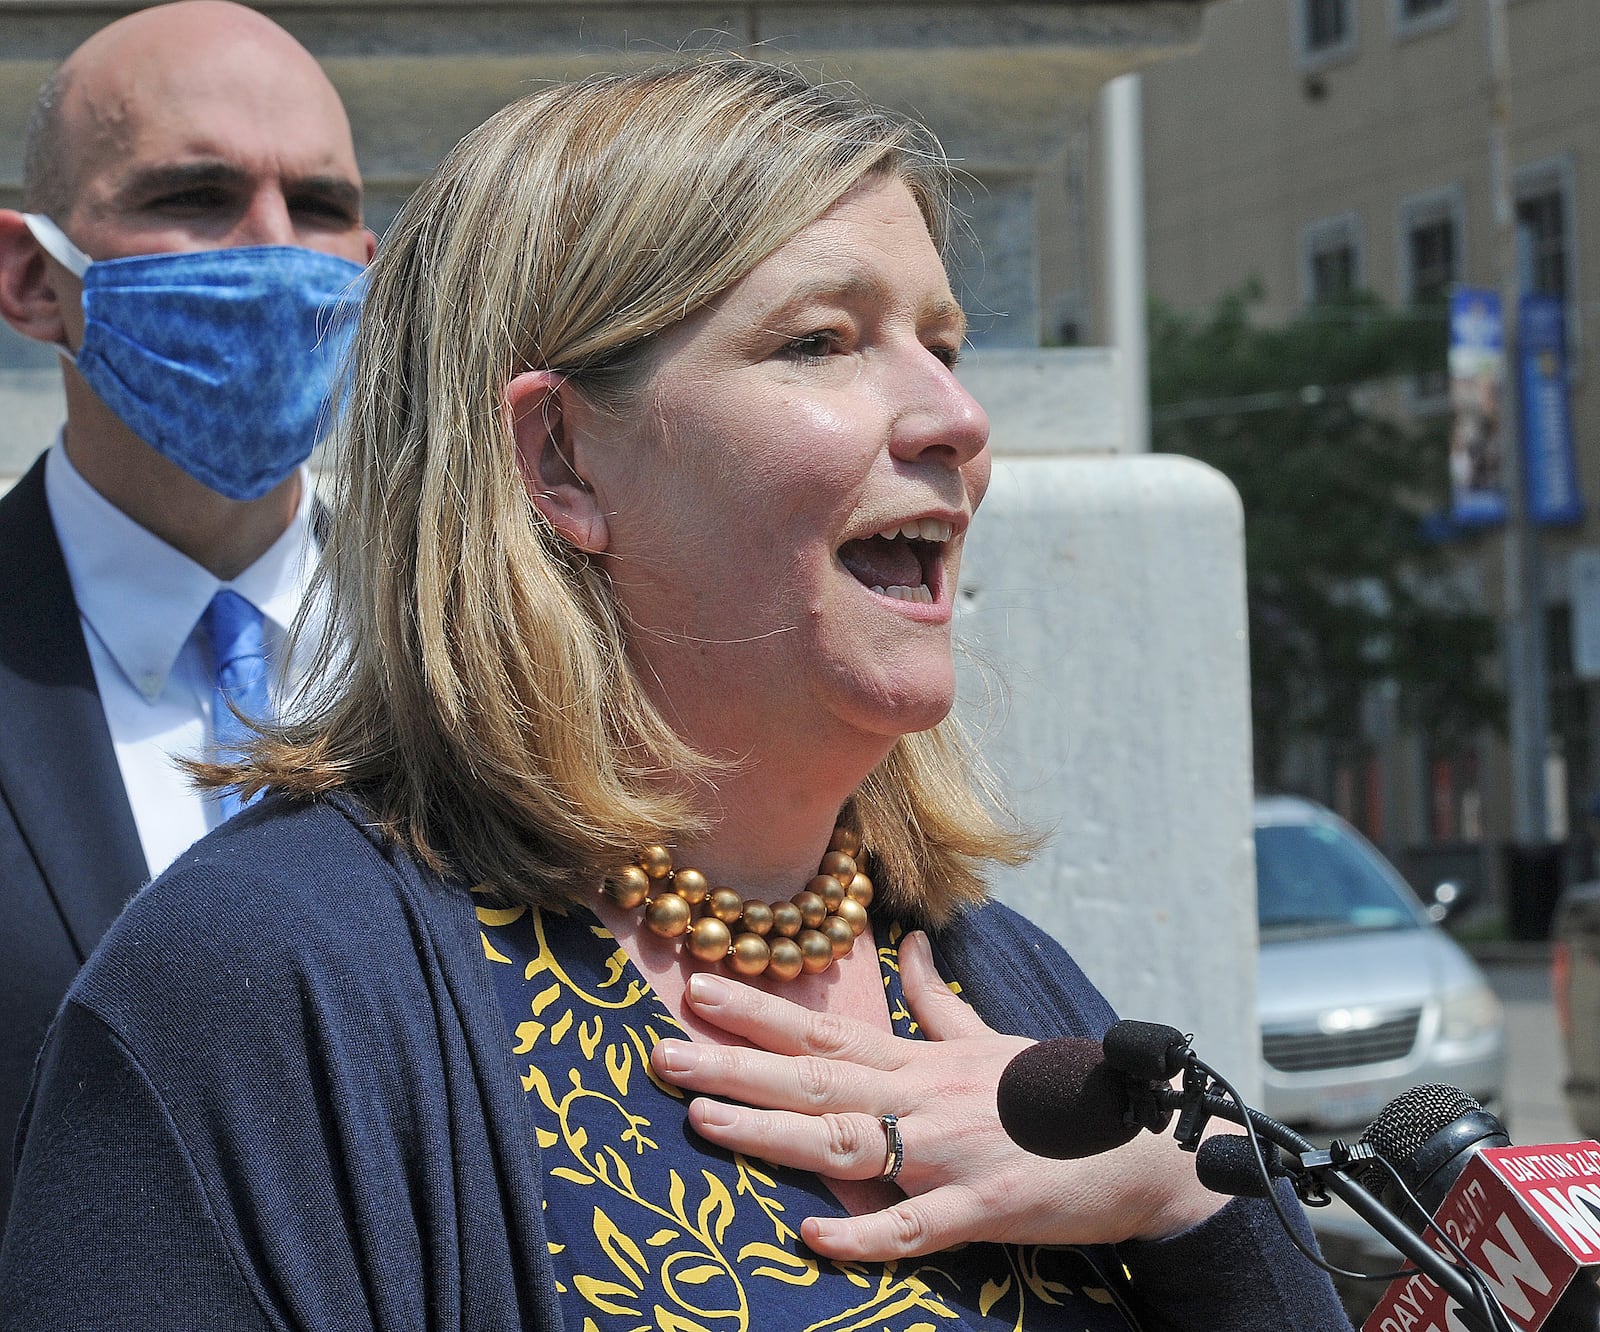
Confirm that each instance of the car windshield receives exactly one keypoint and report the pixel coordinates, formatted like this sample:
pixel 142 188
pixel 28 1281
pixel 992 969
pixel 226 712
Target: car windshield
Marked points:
pixel 1315 878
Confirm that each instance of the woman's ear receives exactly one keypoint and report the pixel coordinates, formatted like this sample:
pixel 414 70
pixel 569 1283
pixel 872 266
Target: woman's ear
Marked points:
pixel 548 460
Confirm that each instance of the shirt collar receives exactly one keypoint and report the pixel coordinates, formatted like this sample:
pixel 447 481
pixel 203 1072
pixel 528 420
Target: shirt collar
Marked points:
pixel 141 596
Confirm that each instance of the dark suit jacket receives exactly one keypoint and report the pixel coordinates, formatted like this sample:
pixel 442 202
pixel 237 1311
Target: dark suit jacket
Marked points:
pixel 70 855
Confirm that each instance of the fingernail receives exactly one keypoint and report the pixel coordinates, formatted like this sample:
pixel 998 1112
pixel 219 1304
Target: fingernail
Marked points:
pixel 677 1056
pixel 709 990
pixel 717 1113
pixel 823 1228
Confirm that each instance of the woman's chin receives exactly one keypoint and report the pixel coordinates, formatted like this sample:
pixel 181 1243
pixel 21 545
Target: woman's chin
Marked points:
pixel 903 706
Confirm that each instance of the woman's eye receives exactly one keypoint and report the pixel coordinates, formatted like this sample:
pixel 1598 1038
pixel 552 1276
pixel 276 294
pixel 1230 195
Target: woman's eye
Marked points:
pixel 951 356
pixel 812 347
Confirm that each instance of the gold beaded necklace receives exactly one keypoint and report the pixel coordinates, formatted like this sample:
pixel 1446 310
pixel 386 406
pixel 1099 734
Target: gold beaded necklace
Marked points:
pixel 779 939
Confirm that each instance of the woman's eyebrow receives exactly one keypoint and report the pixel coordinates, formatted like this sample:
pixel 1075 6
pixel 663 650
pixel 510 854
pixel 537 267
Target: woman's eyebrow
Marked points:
pixel 947 310
pixel 840 289
pixel 856 288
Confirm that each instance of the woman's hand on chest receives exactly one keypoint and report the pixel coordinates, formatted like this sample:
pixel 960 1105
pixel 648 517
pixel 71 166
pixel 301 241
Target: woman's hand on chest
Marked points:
pixel 809 1089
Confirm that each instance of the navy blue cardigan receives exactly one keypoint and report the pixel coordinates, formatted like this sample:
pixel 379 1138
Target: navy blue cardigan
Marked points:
pixel 277 1097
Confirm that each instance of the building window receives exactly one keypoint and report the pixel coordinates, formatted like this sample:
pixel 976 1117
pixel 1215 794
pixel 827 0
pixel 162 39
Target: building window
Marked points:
pixel 1545 253
pixel 1432 250
pixel 1333 273
pixel 1431 262
pixel 1542 243
pixel 1327 30
pixel 1332 267
pixel 1417 16
pixel 1544 228
pixel 1327 23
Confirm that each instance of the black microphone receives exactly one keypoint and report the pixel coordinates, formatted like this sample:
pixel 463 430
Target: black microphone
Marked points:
pixel 1071 1097
pixel 1430 1135
pixel 1061 1099
pixel 1226 1163
pixel 1148 1051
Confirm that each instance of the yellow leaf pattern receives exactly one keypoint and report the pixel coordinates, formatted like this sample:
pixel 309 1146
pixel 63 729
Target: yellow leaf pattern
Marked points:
pixel 717 1247
pixel 606 1296
pixel 622 1251
pixel 990 1295
pixel 499 915
pixel 619 1063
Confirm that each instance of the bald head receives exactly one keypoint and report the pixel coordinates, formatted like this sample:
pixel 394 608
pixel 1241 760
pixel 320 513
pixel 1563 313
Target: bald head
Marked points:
pixel 45 185
pixel 155 118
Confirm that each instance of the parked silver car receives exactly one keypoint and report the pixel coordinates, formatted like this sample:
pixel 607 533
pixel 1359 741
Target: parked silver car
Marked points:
pixel 1361 994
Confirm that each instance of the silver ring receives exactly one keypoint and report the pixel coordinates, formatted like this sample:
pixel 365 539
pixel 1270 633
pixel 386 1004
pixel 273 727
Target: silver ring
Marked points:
pixel 895 1153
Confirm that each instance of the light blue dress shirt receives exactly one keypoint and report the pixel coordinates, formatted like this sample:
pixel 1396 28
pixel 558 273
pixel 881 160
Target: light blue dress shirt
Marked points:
pixel 140 603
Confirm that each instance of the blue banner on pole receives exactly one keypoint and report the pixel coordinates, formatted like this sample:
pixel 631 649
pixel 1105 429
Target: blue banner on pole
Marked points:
pixel 1477 376
pixel 1547 451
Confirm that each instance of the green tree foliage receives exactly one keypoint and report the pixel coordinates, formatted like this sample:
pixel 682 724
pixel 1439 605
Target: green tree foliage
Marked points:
pixel 1345 589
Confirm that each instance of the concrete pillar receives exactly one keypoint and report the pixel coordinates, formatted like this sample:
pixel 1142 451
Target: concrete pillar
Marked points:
pixel 1107 675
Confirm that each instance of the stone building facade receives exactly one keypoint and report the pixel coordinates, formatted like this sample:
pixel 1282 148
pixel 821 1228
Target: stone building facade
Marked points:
pixel 1318 145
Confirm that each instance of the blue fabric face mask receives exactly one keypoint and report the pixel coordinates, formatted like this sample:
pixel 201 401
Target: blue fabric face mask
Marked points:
pixel 220 360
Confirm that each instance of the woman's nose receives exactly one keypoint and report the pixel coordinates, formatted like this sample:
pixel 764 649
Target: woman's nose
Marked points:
pixel 939 420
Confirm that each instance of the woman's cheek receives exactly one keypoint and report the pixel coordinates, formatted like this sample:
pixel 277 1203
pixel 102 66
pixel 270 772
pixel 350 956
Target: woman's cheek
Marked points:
pixel 975 474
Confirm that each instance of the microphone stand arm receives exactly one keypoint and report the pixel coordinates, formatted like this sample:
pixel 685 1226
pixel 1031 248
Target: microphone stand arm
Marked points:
pixel 1314 1173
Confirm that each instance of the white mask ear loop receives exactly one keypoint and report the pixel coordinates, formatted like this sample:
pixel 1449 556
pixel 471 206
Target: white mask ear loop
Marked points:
pixel 60 248
pixel 56 244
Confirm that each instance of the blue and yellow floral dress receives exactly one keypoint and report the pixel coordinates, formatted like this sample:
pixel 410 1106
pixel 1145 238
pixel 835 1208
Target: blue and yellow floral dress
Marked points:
pixel 651 1227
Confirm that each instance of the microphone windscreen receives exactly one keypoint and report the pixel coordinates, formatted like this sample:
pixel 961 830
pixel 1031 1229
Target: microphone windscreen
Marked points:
pixel 1428 1135
pixel 1224 1163
pixel 1146 1051
pixel 1060 1099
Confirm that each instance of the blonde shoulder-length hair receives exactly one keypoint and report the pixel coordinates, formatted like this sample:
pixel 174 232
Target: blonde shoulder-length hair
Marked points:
pixel 473 687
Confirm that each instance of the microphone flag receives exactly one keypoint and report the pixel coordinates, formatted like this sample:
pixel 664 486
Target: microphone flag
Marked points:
pixel 1528 1218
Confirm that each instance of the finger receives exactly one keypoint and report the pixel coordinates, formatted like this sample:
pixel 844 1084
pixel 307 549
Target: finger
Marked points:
pixel 837 1146
pixel 927 1223
pixel 938 1011
pixel 804 1083
pixel 783 1027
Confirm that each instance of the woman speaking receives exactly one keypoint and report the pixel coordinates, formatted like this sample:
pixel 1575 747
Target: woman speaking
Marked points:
pixel 610 950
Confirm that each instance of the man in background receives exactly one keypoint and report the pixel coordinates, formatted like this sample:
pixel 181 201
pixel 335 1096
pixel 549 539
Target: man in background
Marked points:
pixel 152 560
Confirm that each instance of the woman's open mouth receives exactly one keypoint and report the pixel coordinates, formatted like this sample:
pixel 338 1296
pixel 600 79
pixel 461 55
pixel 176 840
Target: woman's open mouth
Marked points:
pixel 902 562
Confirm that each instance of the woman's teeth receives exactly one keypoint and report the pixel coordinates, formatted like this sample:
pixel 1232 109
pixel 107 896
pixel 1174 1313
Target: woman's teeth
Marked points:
pixel 920 593
pixel 898 561
pixel 921 529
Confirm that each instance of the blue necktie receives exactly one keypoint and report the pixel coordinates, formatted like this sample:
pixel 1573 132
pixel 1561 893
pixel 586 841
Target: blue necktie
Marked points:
pixel 235 629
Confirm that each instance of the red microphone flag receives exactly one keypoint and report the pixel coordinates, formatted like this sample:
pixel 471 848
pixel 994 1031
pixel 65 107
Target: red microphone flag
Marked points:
pixel 1528 1218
